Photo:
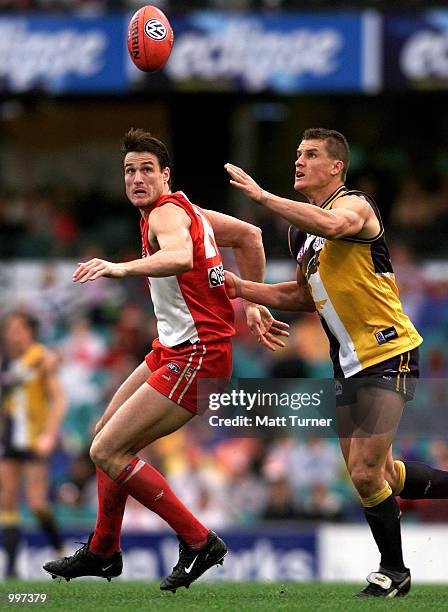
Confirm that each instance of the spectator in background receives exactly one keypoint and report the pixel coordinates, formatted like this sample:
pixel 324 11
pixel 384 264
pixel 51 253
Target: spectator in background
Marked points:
pixel 238 459
pixel 321 504
pixel 33 406
pixel 280 503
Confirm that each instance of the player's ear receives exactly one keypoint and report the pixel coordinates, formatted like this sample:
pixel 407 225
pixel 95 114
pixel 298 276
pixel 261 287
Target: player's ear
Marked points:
pixel 166 173
pixel 338 167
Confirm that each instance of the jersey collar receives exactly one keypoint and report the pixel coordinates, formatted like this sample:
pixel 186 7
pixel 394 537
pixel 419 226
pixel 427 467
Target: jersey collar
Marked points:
pixel 334 196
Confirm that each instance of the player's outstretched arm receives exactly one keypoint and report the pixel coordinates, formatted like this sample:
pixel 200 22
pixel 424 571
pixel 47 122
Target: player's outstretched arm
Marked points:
pixel 247 245
pixel 170 227
pixel 345 219
pixel 281 296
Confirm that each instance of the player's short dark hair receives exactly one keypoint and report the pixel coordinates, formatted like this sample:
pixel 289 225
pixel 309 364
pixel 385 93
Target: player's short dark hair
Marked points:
pixel 335 143
pixel 30 321
pixel 137 140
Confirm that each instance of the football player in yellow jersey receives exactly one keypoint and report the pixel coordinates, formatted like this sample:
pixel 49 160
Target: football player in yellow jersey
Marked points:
pixel 345 274
pixel 32 408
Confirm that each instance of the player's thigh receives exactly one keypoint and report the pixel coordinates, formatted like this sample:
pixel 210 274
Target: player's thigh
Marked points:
pixel 125 391
pixel 10 483
pixel 36 483
pixel 146 416
pixel 375 417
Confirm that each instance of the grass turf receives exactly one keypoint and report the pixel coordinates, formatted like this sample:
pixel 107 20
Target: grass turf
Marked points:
pixel 100 596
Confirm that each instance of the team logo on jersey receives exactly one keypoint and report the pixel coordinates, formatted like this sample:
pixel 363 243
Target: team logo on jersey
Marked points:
pixel 173 367
pixel 386 335
pixel 216 276
pixel 318 243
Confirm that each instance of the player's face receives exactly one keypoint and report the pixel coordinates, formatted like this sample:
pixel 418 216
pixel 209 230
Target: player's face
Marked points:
pixel 313 167
pixel 145 181
pixel 17 336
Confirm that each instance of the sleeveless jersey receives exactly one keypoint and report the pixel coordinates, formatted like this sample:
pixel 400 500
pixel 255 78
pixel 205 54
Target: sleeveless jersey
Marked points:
pixel 193 305
pixel 353 287
pixel 25 398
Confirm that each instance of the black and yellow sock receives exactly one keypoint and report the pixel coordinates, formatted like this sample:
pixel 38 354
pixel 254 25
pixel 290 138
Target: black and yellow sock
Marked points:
pixel 10 524
pixel 421 481
pixel 383 515
pixel 49 527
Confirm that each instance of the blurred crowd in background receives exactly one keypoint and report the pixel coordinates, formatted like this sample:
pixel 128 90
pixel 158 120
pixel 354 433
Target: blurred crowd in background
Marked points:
pixel 57 221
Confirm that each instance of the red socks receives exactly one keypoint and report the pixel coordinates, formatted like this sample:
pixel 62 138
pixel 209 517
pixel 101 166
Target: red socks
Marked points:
pixel 150 488
pixel 111 505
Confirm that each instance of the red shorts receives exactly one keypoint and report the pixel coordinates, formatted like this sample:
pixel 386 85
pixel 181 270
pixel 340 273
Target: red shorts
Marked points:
pixel 174 371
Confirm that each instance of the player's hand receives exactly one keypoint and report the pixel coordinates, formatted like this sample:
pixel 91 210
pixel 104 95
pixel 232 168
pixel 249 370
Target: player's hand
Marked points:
pixel 241 180
pixel 45 444
pixel 264 327
pixel 94 268
pixel 231 283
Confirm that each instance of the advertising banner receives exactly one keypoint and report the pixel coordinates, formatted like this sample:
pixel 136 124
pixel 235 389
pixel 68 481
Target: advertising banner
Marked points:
pixel 63 54
pixel 213 51
pixel 283 52
pixel 258 555
pixel 416 50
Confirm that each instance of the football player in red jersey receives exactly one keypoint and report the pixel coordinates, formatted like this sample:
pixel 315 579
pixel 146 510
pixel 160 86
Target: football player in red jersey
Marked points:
pixel 183 265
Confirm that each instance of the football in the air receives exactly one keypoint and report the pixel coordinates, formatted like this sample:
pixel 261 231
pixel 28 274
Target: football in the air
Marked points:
pixel 150 38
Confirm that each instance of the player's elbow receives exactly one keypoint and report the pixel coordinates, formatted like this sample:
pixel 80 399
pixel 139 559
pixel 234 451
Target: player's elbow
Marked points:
pixel 185 262
pixel 334 229
pixel 253 237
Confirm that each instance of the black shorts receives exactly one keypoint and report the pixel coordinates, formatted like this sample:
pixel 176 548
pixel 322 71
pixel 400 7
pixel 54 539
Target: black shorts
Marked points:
pixel 399 373
pixel 7 448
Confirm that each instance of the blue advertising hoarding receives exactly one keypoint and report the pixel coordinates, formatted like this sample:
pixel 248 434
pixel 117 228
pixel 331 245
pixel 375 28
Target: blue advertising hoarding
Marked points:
pixel 251 52
pixel 416 50
pixel 257 554
pixel 63 54
pixel 283 52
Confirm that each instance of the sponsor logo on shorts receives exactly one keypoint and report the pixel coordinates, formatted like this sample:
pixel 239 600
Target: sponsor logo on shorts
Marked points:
pixel 337 387
pixel 188 374
pixel 216 276
pixel 173 367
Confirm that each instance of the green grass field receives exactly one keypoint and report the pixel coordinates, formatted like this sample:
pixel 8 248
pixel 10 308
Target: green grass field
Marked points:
pixel 100 596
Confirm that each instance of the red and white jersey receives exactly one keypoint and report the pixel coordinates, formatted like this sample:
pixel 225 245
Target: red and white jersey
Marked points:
pixel 193 305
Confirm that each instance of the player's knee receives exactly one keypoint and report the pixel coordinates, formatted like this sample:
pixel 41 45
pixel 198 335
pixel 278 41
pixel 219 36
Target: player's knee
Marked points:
pixel 367 479
pixel 98 454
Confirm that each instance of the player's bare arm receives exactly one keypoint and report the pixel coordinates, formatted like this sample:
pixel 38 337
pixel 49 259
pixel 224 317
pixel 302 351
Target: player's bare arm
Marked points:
pixel 247 245
pixel 290 296
pixel 169 237
pixel 350 217
pixel 57 405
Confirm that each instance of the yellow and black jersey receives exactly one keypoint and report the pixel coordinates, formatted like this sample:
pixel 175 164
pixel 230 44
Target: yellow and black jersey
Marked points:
pixel 24 399
pixel 353 287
